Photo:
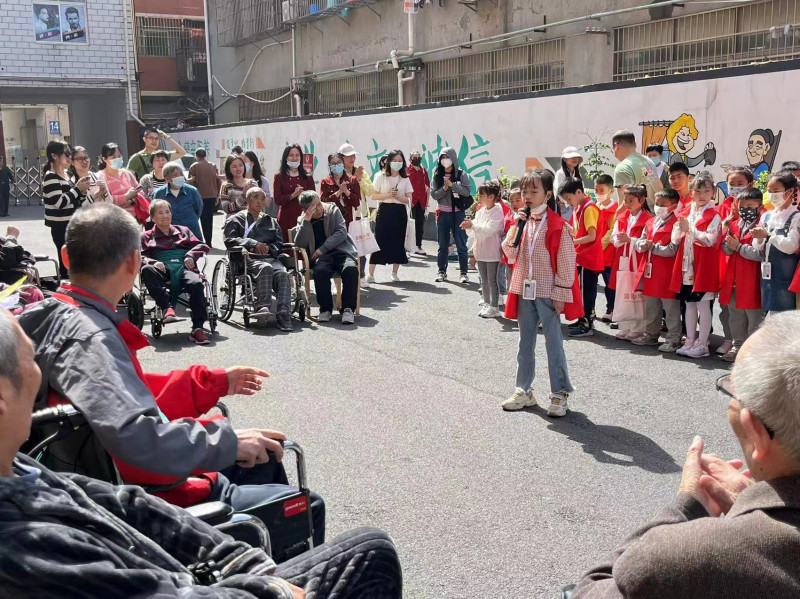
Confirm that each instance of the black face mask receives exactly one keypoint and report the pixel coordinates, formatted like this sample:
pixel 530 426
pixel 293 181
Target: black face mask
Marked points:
pixel 748 215
pixel 416 161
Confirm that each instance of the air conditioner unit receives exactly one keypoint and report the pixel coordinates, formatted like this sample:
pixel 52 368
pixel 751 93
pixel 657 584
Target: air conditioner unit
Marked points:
pixel 289 9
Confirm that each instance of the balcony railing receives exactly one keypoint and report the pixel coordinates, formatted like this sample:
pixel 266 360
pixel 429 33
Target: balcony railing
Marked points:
pixel 243 21
pixel 192 68
pixel 304 11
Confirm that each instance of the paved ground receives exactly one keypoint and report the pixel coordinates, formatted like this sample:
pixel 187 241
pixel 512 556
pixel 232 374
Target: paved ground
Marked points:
pixel 401 421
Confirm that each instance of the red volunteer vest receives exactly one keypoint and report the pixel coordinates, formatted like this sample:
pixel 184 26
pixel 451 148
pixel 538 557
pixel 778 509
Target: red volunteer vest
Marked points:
pixel 742 274
pixel 604 226
pixel 588 255
pixel 706 261
pixel 657 285
pixel 622 226
pixel 552 240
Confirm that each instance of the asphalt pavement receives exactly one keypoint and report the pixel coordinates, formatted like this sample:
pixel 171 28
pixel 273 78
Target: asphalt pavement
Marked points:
pixel 401 422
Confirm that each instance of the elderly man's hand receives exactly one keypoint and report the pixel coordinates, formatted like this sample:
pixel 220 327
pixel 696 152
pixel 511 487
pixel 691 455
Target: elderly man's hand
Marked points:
pixel 722 481
pixel 297 592
pixel 317 255
pixel 262 249
pixel 161 266
pixel 12 232
pixel 254 444
pixel 188 263
pixel 244 380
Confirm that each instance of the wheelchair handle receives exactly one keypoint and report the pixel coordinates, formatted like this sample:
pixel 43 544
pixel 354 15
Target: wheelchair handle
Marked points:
pixel 58 413
pixel 300 460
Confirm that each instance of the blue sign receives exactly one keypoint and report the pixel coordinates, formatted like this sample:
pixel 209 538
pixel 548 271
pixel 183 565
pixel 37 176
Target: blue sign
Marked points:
pixel 55 128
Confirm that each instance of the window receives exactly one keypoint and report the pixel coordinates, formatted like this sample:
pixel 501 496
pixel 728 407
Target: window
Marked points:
pixel 252 111
pixel 360 92
pixel 164 36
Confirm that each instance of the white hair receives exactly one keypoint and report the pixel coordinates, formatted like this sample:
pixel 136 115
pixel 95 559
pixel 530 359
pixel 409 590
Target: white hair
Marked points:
pixel 170 168
pixel 766 377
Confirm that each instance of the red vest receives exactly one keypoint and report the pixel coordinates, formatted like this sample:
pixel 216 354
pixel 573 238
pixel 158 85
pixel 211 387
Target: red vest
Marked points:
pixel 706 261
pixel 657 285
pixel 604 226
pixel 622 227
pixel 743 274
pixel 552 240
pixel 589 255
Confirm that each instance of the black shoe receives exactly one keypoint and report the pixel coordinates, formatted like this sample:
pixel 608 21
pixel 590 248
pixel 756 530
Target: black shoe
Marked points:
pixel 614 326
pixel 284 321
pixel 581 322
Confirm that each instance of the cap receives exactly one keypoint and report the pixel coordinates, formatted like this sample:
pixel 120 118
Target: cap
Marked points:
pixel 347 150
pixel 571 152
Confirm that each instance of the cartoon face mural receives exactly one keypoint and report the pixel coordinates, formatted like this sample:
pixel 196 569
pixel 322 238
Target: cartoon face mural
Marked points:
pixel 762 147
pixel 681 137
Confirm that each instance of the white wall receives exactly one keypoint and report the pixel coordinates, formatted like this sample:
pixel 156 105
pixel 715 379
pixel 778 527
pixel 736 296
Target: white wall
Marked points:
pixel 516 134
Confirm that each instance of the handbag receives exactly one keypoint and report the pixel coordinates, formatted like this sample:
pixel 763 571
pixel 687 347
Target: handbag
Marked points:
pixel 411 233
pixel 629 304
pixel 361 232
pixel 141 208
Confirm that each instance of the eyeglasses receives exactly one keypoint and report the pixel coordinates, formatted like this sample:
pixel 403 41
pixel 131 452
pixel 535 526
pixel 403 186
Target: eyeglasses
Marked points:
pixel 152 138
pixel 725 387
pixel 81 159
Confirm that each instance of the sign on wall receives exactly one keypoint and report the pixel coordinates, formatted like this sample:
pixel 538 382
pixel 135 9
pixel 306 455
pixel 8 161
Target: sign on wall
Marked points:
pixel 55 127
pixel 60 22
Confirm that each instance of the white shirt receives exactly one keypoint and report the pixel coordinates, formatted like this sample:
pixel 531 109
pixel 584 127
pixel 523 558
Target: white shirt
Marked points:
pixel 487 229
pixel 788 244
pixel 632 220
pixel 385 184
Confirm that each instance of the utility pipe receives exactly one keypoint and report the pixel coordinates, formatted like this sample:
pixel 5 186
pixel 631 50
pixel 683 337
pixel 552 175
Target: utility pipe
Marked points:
pixel 208 67
pixel 400 81
pixel 298 102
pixel 394 54
pixel 128 62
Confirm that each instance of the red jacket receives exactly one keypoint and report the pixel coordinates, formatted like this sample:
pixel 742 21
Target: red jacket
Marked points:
pixel 327 193
pixel 636 231
pixel 706 261
pixel 588 255
pixel 604 226
pixel 290 211
pixel 657 284
pixel 421 183
pixel 742 274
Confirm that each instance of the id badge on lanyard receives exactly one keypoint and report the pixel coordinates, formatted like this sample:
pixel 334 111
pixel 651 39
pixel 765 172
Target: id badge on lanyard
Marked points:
pixel 248 228
pixel 529 284
pixel 766 271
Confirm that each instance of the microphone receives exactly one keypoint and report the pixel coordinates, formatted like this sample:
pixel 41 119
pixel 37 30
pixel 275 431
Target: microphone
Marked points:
pixel 521 227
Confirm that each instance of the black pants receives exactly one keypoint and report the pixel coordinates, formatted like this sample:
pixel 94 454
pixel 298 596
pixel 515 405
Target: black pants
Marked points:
pixel 611 294
pixel 5 195
pixel 361 563
pixel 207 219
pixel 58 231
pixel 158 285
pixel 589 290
pixel 336 263
pixel 418 214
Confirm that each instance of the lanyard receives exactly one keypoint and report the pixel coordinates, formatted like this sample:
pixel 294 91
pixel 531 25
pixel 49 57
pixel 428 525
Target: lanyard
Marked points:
pixel 248 228
pixel 533 243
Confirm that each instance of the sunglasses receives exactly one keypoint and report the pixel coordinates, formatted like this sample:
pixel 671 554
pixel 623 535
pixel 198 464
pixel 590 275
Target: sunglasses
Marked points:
pixel 725 388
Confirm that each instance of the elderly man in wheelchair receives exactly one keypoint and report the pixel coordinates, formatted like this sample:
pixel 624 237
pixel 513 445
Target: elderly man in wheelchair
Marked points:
pixel 151 424
pixel 257 233
pixel 170 254
pixel 68 536
pixel 16 263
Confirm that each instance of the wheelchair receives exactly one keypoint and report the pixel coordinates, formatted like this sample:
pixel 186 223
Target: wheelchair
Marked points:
pixel 46 283
pixel 284 527
pixel 135 305
pixel 231 279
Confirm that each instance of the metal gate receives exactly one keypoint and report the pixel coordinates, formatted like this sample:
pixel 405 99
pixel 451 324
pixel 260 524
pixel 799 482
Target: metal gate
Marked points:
pixel 27 181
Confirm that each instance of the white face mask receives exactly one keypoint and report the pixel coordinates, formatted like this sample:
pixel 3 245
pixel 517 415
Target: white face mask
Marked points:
pixel 293 163
pixel 661 212
pixel 447 163
pixel 537 210
pixel 777 199
pixel 735 191
pixel 178 182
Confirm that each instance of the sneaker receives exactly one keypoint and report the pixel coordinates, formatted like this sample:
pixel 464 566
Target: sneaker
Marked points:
pixel 646 339
pixel 698 350
pixel 395 277
pixel 489 312
pixel 420 252
pixel 725 347
pixel 370 279
pixel 613 325
pixel 669 348
pixel 731 355
pixel 348 317
pixel 464 279
pixel 518 400
pixel 262 313
pixel 442 276
pixel 199 337
pixel 364 283
pixel 577 324
pixel 687 345
pixel 582 331
pixel 285 321
pixel 558 404
pixel 324 317
pixel 606 318
pixel 169 316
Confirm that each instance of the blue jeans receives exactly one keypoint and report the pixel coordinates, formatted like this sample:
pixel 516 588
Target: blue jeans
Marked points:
pixel 529 313
pixel 450 222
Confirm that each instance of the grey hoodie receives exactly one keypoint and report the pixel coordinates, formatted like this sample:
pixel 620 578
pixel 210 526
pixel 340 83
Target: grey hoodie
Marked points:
pixel 461 185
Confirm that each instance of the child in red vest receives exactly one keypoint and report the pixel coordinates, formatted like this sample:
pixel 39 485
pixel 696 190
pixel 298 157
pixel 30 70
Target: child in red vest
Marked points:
pixel 541 284
pixel 695 275
pixel 589 250
pixel 740 292
pixel 656 272
pixel 738 179
pixel 679 180
pixel 629 226
pixel 604 192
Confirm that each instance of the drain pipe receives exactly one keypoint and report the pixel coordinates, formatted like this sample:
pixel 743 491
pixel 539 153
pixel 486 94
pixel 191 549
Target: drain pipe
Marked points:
pixel 395 54
pixel 128 63
pixel 298 101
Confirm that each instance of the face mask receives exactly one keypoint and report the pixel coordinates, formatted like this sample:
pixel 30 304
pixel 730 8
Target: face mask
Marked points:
pixel 116 163
pixel 777 199
pixel 662 212
pixel 178 182
pixel 396 166
pixel 447 163
pixel 539 209
pixel 248 167
pixel 337 169
pixel 656 160
pixel 748 215
pixel 416 161
pixel 293 163
pixel 735 191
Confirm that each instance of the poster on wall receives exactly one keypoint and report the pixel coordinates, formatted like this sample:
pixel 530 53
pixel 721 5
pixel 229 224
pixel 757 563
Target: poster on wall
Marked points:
pixel 60 22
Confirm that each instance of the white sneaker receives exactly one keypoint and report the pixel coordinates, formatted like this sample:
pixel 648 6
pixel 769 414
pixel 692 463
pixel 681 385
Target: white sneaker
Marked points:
pixel 348 317
pixel 420 252
pixel 370 279
pixel 519 400
pixel 364 283
pixel 395 277
pixel 501 302
pixel 489 312
pixel 464 279
pixel 725 347
pixel 698 350
pixel 324 317
pixel 558 404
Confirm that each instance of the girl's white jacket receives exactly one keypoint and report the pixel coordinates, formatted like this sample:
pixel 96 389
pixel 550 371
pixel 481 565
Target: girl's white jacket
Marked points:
pixel 487 230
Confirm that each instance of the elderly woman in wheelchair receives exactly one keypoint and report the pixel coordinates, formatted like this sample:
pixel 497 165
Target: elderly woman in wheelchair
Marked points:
pixel 169 267
pixel 259 235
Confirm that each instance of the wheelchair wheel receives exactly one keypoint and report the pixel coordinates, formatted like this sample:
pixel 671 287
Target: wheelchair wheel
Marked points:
pixel 156 327
pixel 223 290
pixel 135 308
pixel 246 317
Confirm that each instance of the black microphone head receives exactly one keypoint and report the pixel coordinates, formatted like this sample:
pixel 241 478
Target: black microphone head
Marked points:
pixel 527 211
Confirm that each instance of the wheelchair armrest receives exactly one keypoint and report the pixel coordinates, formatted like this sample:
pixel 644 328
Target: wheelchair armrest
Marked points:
pixel 288 246
pixel 41 257
pixel 212 512
pixel 286 260
pixel 237 249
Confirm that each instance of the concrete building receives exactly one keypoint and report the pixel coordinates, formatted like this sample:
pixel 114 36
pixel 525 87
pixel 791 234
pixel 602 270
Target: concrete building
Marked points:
pixel 263 51
pixel 66 72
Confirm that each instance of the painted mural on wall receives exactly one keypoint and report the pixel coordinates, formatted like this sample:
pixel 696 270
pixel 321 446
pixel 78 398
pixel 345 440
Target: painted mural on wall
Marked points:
pixel 710 125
